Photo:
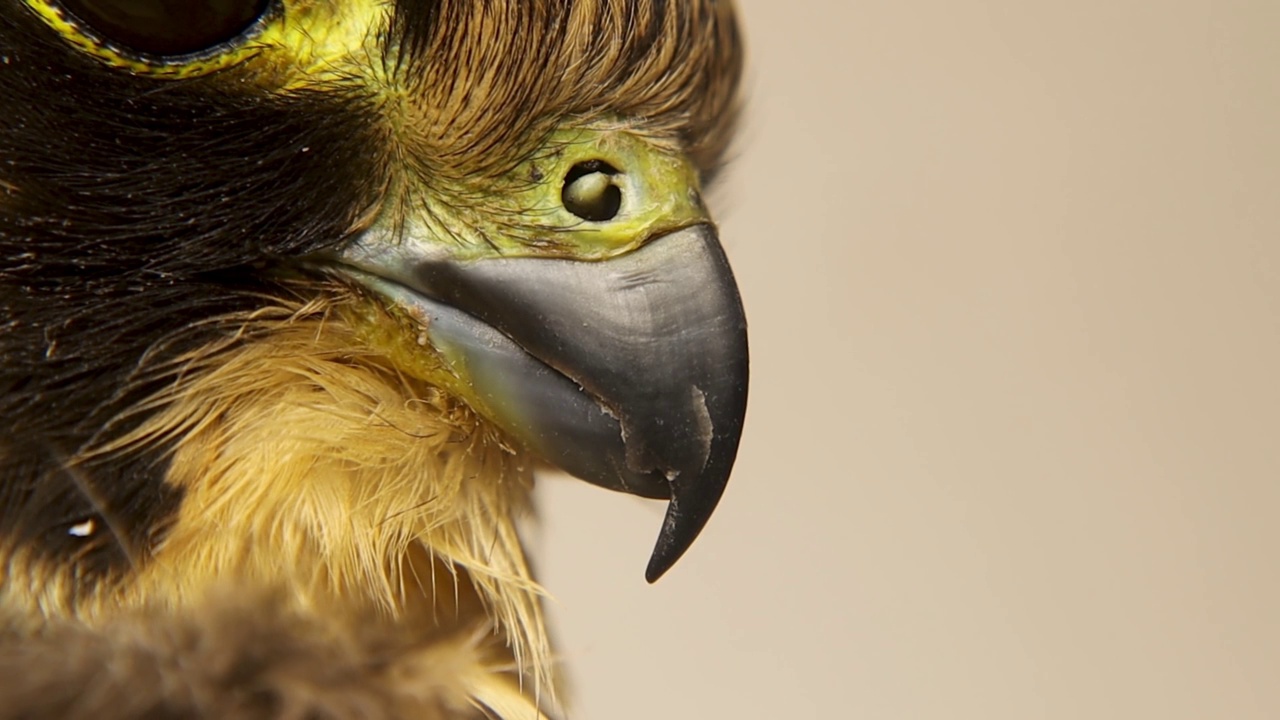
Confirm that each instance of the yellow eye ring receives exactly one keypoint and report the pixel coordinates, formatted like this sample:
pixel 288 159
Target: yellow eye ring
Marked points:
pixel 218 53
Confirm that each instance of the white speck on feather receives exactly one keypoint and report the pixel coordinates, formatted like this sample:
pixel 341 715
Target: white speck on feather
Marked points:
pixel 83 529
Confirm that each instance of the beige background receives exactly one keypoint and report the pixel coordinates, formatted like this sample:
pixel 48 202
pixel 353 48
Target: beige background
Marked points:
pixel 1012 270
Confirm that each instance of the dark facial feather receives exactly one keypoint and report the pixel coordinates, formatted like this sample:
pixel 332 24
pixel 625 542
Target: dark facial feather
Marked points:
pixel 132 210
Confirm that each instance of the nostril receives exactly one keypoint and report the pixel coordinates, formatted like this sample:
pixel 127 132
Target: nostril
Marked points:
pixel 590 191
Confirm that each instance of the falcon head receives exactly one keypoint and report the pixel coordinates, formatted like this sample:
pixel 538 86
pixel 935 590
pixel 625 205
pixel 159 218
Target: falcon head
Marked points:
pixel 296 292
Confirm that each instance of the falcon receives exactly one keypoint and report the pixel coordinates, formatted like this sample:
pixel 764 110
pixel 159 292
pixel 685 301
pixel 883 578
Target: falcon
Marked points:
pixel 295 295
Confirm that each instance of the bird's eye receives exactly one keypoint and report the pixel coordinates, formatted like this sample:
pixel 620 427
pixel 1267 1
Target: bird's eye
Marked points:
pixel 590 191
pixel 167 27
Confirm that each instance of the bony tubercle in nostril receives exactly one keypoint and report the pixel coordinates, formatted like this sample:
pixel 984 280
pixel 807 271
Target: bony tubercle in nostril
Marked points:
pixel 591 191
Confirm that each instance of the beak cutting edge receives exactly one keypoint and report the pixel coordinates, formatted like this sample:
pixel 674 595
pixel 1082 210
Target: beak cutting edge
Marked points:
pixel 630 373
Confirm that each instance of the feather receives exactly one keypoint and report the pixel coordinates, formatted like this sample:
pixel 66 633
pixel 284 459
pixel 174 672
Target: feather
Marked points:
pixel 246 656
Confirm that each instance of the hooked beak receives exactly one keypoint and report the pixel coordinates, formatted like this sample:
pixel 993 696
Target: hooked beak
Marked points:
pixel 630 372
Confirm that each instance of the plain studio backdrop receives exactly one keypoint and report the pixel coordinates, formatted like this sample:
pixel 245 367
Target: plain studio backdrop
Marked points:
pixel 1012 273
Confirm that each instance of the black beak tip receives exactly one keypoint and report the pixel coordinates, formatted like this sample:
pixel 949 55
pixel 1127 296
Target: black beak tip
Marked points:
pixel 665 555
pixel 655 570
pixel 680 528
pixel 693 501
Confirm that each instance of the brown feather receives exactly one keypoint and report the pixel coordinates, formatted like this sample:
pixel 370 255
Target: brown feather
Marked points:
pixel 247 656
pixel 491 79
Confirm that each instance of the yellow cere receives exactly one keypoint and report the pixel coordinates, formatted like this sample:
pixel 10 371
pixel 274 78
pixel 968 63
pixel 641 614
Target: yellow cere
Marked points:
pixel 660 192
pixel 523 213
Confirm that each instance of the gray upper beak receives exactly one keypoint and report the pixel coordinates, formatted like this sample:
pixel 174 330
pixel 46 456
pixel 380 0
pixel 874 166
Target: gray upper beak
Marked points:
pixel 630 373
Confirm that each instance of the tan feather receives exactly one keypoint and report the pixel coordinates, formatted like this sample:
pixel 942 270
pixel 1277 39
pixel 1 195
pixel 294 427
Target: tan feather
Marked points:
pixel 310 463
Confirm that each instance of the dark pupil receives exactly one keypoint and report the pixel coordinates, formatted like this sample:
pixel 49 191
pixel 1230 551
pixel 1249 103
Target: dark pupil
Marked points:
pixel 167 27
